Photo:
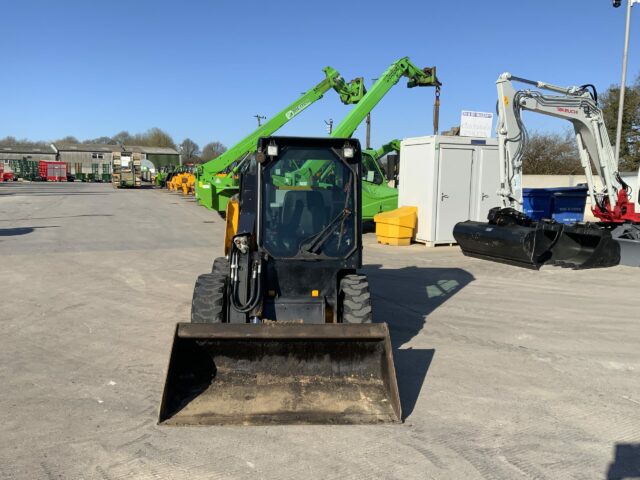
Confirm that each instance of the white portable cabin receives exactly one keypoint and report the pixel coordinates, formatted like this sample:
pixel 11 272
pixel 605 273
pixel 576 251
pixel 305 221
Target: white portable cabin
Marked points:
pixel 450 179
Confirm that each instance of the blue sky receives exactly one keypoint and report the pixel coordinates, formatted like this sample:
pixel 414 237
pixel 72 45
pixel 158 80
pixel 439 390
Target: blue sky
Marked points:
pixel 202 69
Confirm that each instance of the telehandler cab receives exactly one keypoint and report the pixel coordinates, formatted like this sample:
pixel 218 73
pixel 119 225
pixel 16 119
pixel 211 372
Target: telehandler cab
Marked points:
pixel 281 328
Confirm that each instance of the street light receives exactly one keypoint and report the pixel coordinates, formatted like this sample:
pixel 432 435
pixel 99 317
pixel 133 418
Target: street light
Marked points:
pixel 329 125
pixel 616 4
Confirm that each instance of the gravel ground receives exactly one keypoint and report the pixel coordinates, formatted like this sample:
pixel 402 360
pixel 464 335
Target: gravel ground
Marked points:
pixel 504 373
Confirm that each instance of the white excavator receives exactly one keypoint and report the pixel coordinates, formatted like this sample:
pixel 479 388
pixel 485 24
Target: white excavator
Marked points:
pixel 510 236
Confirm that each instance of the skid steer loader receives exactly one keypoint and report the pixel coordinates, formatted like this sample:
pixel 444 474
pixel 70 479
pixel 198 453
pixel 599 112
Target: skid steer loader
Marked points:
pixel 281 328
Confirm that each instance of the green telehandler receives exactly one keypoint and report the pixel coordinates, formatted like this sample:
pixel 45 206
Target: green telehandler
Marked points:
pixel 377 196
pixel 217 180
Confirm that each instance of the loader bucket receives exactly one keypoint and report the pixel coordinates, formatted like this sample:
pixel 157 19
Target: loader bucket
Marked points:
pixel 280 373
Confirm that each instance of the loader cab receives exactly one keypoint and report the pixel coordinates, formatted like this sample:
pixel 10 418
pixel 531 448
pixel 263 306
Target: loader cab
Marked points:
pixel 300 215
pixel 309 199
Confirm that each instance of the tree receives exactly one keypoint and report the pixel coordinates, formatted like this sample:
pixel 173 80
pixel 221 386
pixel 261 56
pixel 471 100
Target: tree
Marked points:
pixel 9 141
pixel 14 142
pixel 155 137
pixel 630 141
pixel 122 138
pixel 68 139
pixel 212 150
pixel 551 154
pixel 102 141
pixel 189 151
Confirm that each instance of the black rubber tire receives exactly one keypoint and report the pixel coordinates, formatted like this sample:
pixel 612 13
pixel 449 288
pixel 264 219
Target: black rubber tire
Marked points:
pixel 220 265
pixel 209 299
pixel 355 299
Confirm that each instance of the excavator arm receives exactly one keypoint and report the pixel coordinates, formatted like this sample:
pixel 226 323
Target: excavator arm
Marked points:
pixel 577 105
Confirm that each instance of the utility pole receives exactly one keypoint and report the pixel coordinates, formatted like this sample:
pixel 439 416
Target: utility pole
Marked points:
pixel 329 125
pixel 368 140
pixel 436 112
pixel 260 118
pixel 616 4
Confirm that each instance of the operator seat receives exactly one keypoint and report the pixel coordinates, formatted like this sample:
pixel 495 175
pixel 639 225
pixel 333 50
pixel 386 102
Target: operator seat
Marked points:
pixel 303 215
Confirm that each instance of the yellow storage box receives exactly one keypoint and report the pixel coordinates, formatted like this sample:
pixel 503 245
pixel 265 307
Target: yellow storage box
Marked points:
pixel 397 226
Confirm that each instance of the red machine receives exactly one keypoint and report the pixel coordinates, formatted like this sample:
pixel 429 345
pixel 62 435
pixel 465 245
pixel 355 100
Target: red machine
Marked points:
pixel 622 212
pixel 53 171
pixel 5 176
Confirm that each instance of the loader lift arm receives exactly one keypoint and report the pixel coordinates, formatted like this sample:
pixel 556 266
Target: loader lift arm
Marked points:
pixel 350 92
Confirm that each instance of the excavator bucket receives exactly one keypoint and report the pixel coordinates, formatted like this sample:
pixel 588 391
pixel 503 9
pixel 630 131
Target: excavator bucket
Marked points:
pixel 628 238
pixel 280 373
pixel 583 246
pixel 532 245
pixel 512 244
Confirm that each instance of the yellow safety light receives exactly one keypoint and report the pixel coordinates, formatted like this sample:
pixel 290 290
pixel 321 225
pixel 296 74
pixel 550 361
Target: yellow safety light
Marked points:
pixel 315 293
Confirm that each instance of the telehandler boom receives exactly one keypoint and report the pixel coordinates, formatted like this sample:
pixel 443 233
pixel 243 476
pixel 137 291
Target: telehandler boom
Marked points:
pixel 215 180
pixel 377 196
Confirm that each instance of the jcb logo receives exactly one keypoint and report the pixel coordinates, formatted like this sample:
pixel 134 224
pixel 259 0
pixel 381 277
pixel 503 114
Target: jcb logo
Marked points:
pixel 568 110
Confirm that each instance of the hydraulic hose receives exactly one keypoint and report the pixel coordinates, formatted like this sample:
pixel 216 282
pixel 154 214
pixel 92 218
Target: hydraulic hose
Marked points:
pixel 254 287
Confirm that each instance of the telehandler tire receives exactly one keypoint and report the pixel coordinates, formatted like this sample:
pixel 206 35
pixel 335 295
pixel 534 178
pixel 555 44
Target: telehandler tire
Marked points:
pixel 208 303
pixel 355 299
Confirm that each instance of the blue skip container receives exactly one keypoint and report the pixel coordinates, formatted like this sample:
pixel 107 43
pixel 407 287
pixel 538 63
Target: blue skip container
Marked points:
pixel 537 202
pixel 563 204
pixel 568 204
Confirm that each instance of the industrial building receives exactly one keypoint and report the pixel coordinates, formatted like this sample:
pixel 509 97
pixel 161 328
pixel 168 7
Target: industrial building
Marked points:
pixel 34 153
pixel 86 161
pixel 91 158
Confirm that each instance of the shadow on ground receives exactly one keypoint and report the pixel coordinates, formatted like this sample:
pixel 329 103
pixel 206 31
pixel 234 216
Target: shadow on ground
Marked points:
pixel 626 463
pixel 12 232
pixel 63 216
pixel 404 298
pixel 58 194
pixel 368 226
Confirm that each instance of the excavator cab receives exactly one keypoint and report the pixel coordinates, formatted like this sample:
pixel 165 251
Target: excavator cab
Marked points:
pixel 281 328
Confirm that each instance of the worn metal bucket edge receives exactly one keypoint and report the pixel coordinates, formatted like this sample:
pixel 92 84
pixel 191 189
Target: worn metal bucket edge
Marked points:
pixel 279 333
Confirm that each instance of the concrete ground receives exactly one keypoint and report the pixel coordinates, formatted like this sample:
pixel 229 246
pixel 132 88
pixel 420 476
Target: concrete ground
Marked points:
pixel 504 373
